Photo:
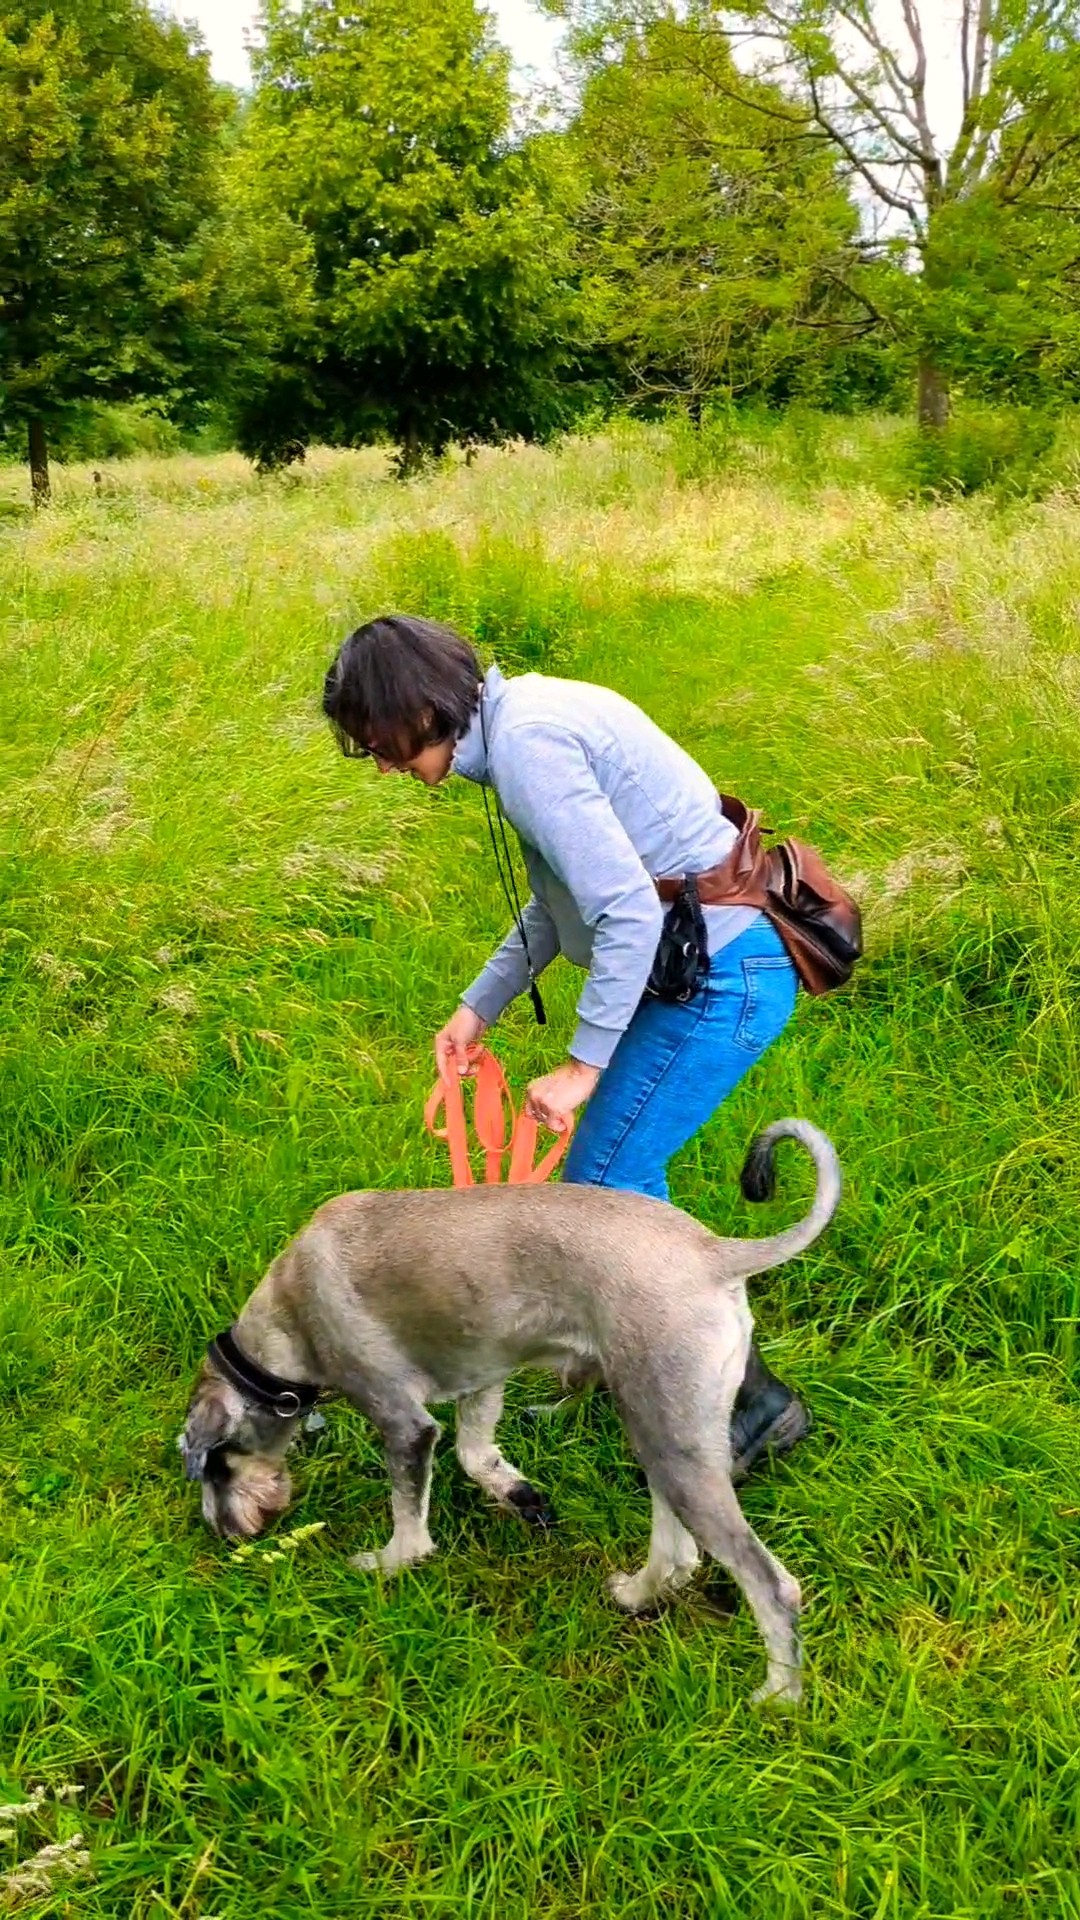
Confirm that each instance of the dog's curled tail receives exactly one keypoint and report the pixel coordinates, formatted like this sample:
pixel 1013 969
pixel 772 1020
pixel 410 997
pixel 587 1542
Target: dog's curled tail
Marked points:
pixel 758 1182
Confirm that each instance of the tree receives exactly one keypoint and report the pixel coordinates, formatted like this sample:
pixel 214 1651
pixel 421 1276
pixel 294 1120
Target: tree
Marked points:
pixel 962 206
pixel 109 125
pixel 1003 310
pixel 432 298
pixel 718 235
pixel 989 250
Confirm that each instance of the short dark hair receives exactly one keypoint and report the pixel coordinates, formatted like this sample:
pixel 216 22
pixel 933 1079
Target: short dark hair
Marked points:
pixel 401 684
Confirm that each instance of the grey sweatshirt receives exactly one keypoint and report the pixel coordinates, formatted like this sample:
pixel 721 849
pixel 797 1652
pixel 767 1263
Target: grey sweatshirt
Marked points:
pixel 602 803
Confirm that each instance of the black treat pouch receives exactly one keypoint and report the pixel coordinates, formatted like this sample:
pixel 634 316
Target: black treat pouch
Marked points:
pixel 682 957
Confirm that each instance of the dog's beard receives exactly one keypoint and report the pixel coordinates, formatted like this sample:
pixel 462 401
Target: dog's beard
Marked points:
pixel 240 1502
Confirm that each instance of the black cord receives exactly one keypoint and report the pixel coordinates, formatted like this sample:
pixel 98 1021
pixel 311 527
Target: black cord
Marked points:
pixel 507 879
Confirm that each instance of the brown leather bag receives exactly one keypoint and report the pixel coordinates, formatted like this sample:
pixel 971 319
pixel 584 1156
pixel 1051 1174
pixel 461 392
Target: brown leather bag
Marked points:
pixel 818 922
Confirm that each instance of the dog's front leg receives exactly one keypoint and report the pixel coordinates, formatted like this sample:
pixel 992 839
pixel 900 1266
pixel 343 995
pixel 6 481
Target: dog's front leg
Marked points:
pixel 410 1446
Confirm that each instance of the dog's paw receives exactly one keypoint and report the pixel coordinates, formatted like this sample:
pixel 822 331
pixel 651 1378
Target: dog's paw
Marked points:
pixel 366 1562
pixel 632 1593
pixel 530 1505
pixel 782 1689
pixel 389 1560
pixel 681 1575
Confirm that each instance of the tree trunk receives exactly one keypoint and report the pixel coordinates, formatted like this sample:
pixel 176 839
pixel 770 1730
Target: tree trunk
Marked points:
pixel 933 397
pixel 40 490
pixel 410 457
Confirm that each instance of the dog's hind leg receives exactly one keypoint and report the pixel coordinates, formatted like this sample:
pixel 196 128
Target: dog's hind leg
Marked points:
pixel 700 1492
pixel 680 1436
pixel 673 1559
pixel 409 1439
pixel 477 1449
pixel 711 1508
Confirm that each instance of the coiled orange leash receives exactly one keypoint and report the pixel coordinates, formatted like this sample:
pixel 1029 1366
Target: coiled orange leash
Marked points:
pixel 500 1131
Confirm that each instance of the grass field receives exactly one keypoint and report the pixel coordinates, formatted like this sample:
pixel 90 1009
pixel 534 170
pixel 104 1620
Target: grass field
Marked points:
pixel 223 951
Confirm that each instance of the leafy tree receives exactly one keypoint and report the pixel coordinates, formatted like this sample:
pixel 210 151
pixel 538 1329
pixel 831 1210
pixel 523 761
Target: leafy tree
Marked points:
pixel 971 211
pixel 718 235
pixel 989 247
pixel 109 125
pixel 429 262
pixel 266 301
pixel 1002 311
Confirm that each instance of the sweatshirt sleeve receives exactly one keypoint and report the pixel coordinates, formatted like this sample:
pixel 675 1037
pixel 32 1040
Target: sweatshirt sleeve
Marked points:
pixel 551 795
pixel 506 974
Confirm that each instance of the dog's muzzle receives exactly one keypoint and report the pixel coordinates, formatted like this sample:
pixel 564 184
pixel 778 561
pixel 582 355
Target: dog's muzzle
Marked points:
pixel 194 1458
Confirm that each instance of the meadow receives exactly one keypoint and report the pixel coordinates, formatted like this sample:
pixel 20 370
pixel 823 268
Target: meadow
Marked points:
pixel 223 952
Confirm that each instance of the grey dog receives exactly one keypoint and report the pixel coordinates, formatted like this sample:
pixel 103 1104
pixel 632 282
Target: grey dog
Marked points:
pixel 399 1300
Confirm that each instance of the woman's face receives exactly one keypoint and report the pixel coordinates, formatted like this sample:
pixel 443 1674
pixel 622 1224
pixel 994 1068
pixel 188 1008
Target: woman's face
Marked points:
pixel 430 765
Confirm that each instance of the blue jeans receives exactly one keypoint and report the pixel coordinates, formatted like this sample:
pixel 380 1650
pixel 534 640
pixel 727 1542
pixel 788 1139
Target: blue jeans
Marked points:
pixel 674 1065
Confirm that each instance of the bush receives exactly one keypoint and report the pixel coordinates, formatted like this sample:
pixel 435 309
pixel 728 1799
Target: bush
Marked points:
pixel 984 449
pixel 95 432
pixel 704 447
pixel 509 599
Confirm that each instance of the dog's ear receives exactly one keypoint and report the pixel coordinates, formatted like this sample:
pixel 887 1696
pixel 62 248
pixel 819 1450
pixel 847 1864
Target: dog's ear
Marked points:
pixel 213 1417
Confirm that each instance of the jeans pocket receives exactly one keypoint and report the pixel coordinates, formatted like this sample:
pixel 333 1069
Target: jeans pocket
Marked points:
pixel 768 1000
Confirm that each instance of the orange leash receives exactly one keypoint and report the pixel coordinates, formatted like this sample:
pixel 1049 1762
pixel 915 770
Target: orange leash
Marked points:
pixel 499 1129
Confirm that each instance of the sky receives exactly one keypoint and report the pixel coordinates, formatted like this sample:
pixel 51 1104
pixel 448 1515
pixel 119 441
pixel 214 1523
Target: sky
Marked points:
pixel 533 40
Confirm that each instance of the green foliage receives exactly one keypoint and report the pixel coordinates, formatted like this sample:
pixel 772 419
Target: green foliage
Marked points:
pixel 501 593
pixel 714 235
pixel 109 125
pixel 97 430
pixel 429 297
pixel 1000 310
pixel 988 227
pixel 1003 451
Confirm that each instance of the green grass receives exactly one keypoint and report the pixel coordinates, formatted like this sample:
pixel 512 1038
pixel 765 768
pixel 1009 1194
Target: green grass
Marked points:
pixel 223 953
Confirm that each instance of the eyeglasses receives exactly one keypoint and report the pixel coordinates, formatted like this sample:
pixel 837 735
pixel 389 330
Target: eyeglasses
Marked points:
pixel 355 750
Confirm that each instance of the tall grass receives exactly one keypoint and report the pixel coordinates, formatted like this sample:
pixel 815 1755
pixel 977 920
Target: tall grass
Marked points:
pixel 223 953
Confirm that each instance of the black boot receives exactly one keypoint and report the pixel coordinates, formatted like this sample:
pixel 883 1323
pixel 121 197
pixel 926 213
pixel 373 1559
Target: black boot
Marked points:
pixel 767 1417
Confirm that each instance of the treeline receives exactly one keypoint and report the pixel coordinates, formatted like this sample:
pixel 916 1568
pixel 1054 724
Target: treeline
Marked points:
pixel 377 244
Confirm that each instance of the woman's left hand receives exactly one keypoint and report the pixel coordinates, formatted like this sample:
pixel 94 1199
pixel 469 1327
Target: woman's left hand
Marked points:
pixel 554 1099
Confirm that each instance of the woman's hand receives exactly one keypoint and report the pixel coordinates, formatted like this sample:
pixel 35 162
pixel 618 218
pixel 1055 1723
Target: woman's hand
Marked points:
pixel 453 1041
pixel 554 1099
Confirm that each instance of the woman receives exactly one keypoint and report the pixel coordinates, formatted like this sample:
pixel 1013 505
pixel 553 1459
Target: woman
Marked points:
pixel 604 804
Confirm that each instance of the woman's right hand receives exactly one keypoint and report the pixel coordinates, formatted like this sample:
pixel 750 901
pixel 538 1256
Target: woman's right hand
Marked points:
pixel 453 1041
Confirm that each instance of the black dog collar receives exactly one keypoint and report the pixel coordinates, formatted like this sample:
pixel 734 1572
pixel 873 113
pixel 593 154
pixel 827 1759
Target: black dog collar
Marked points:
pixel 284 1397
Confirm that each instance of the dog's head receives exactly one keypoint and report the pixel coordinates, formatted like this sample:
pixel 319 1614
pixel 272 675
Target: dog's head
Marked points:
pixel 237 1450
